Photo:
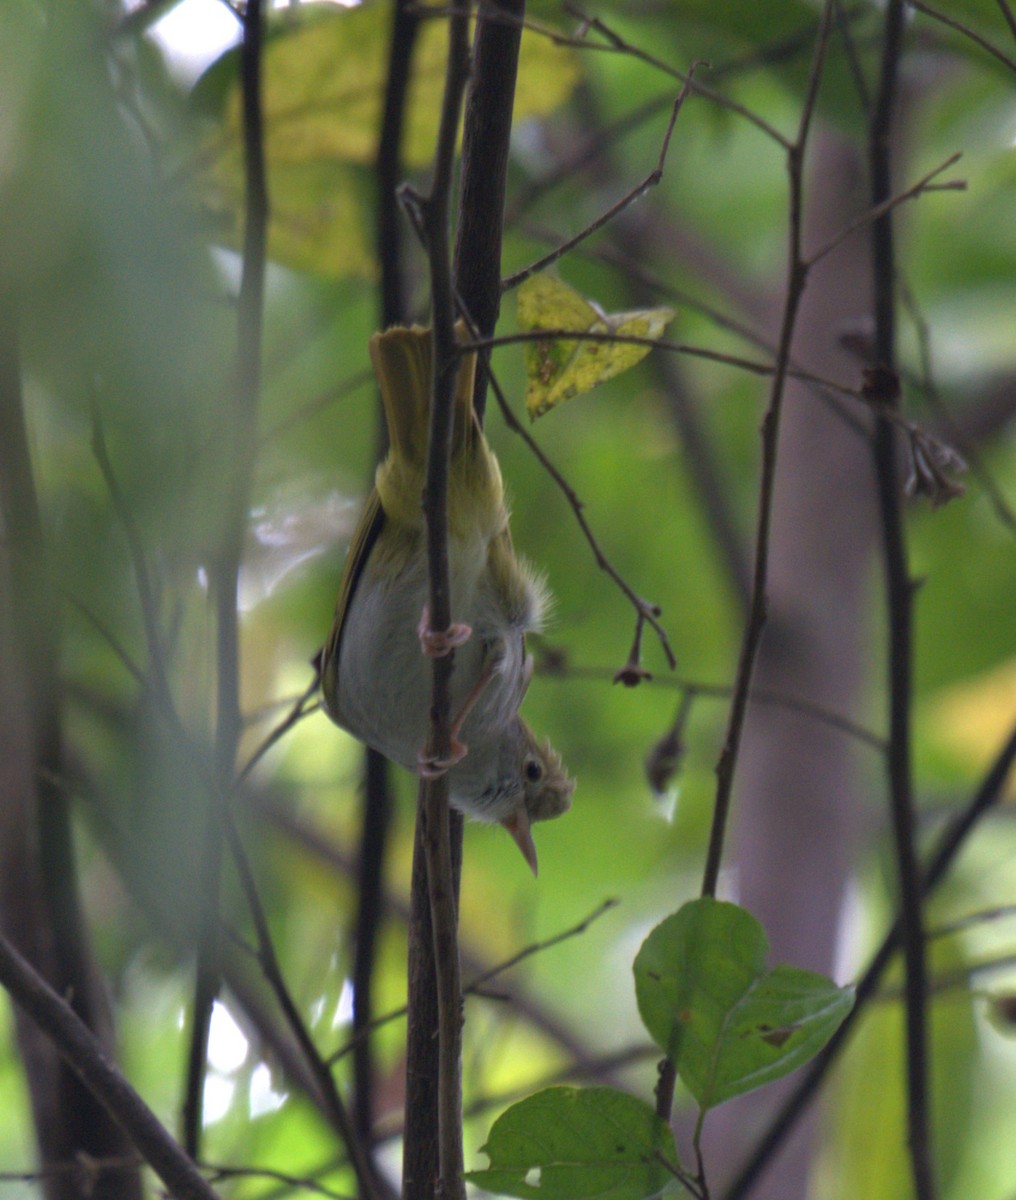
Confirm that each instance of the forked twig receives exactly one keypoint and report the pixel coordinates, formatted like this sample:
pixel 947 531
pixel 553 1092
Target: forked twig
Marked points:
pixel 301 708
pixel 797 272
pixel 646 612
pixel 651 180
pixel 886 206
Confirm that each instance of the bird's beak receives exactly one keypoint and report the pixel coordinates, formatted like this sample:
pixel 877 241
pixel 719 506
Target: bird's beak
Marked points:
pixel 518 826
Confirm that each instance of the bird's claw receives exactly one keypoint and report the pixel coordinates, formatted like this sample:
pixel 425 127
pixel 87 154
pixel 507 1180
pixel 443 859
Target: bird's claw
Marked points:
pixel 433 766
pixel 436 643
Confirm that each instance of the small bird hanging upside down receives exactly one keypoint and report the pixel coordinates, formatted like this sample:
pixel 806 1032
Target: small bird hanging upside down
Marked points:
pixel 375 673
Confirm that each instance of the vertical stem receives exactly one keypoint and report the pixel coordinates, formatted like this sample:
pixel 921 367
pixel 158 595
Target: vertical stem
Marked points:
pixel 797 274
pixel 378 805
pixel 899 595
pixel 388 164
pixel 241 433
pixel 433 808
pixel 477 286
pixel 485 146
pixel 378 809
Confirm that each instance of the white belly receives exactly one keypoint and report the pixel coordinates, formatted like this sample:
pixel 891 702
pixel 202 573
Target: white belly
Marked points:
pixel 385 679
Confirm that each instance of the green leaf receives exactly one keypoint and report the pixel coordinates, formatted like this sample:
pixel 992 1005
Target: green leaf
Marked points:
pixel 708 1001
pixel 558 368
pixel 585 1144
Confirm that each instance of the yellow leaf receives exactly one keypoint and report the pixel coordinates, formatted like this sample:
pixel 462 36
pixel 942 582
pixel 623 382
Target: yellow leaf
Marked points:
pixel 559 368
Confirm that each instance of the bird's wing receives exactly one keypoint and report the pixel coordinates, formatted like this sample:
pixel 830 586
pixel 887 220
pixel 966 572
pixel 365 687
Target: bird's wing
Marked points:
pixel 368 529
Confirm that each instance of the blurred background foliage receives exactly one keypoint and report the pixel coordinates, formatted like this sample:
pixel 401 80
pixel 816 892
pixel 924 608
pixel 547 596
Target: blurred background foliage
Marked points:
pixel 119 185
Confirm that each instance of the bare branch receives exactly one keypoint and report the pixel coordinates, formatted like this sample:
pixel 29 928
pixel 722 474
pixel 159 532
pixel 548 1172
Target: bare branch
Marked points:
pixel 650 181
pixel 645 612
pixel 899 595
pixel 797 273
pixel 89 1059
pixel 967 32
pixel 880 210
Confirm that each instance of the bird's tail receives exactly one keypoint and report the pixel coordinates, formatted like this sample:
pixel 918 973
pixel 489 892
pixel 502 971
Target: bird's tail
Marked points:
pixel 402 364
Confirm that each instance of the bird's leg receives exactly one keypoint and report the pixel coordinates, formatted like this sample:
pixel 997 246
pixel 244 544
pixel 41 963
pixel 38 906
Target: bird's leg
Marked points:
pixel 436 643
pixel 430 766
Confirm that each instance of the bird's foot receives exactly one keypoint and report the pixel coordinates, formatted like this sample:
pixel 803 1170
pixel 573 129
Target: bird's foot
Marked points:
pixel 433 766
pixel 436 643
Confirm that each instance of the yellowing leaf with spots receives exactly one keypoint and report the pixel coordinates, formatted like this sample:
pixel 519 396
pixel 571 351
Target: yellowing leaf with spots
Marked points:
pixel 559 367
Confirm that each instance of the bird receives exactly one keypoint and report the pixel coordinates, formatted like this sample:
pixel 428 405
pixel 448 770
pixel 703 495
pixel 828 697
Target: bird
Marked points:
pixel 375 668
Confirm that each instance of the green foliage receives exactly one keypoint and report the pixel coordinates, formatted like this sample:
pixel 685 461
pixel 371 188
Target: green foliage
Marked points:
pixel 727 1022
pixel 579 1144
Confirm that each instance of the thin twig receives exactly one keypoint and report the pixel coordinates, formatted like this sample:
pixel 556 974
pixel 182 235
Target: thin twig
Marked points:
pixel 965 444
pixel 567 168
pixel 613 43
pixel 880 210
pixel 301 708
pixel 797 272
pixel 295 1182
pixel 967 32
pixel 546 944
pixel 723 691
pixel 1007 13
pixel 650 181
pixel 899 597
pixel 311 409
pixel 139 565
pixel 830 396
pixel 368 1184
pixel 225 567
pixel 644 610
pixel 753 366
pixel 475 988
pixel 853 57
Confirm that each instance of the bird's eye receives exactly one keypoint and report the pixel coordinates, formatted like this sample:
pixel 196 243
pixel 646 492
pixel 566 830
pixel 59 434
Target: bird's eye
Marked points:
pixel 533 770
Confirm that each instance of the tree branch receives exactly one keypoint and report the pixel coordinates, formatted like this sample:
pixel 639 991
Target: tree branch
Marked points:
pixel 485 145
pixel 899 596
pixel 378 801
pixel 797 272
pixel 225 569
pixel 85 1054
pixel 433 811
